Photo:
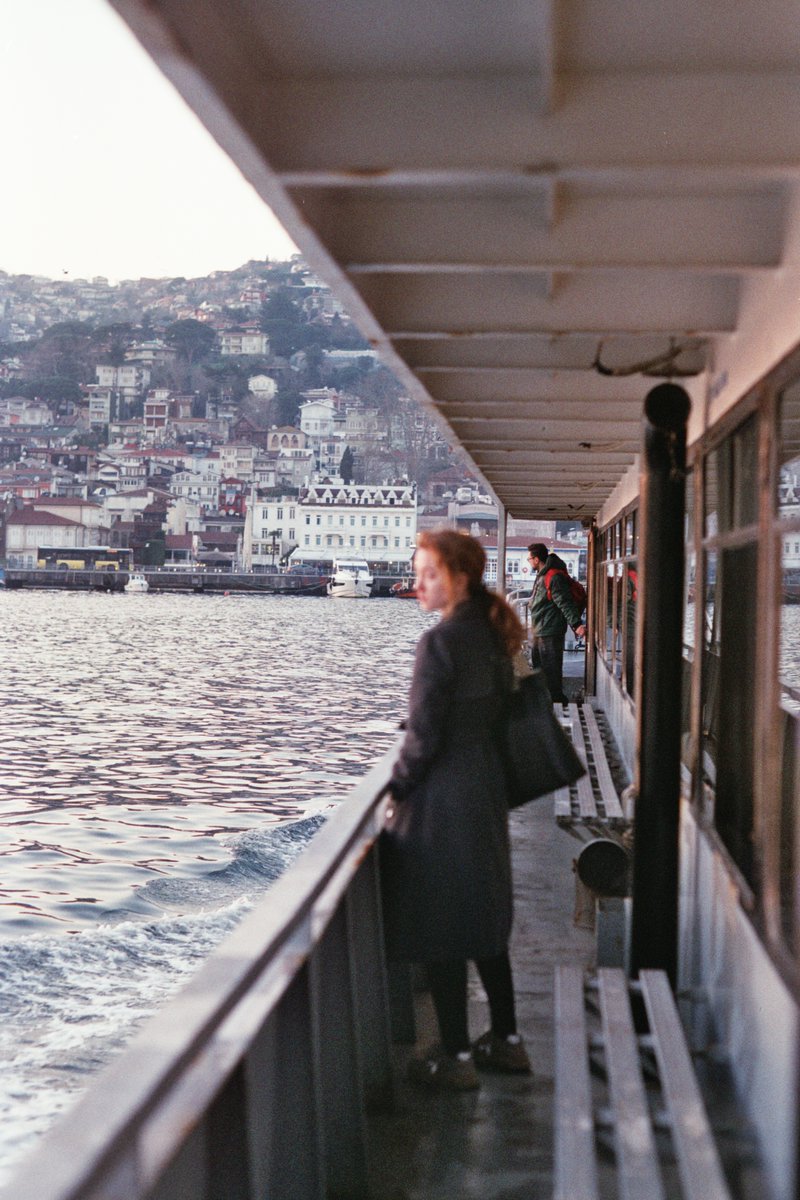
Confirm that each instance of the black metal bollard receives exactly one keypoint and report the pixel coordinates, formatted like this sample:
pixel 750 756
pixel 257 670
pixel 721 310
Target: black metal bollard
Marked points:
pixel 654 930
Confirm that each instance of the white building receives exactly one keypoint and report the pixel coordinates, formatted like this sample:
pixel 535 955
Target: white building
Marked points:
pixel 200 486
pixel 18 410
pixel 100 406
pixel 238 341
pixel 375 522
pixel 237 460
pixel 27 530
pixel 84 512
pixel 129 381
pixel 519 573
pixel 294 468
pixel 263 386
pixel 274 529
pixel 317 415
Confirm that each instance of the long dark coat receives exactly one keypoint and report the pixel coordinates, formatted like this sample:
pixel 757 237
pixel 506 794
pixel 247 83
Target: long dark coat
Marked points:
pixel 445 859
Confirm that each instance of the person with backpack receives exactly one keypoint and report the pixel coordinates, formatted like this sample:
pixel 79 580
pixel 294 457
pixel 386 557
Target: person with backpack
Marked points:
pixel 557 601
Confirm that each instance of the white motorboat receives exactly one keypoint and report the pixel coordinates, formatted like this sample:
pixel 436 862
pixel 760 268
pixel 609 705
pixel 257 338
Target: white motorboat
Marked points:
pixel 137 582
pixel 351 579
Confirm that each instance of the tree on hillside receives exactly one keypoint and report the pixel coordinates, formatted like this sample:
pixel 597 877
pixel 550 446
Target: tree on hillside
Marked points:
pixel 286 406
pixel 192 339
pixel 346 465
pixel 51 389
pixel 344 335
pixel 287 326
pixel 64 351
pixel 111 342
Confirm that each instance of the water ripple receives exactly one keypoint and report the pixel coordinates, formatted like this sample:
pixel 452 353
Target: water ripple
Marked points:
pixel 143 734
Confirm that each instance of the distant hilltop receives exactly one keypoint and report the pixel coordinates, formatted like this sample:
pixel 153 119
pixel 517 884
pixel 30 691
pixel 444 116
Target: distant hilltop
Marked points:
pixel 30 304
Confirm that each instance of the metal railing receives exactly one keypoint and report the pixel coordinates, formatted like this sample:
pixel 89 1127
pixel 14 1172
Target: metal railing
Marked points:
pixel 255 1079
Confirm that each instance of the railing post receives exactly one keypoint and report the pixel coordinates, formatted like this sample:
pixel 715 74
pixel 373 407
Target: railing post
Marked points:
pixel 297 1150
pixel 372 990
pixel 654 931
pixel 341 1076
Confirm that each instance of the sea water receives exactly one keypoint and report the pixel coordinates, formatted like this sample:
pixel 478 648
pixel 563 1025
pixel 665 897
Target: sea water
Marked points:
pixel 162 760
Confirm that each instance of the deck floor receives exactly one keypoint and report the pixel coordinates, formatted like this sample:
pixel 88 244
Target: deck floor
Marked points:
pixel 497 1144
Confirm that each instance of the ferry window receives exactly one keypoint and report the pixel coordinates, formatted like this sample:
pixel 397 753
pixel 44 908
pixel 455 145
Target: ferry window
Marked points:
pixel 631 592
pixel 609 604
pixel 689 608
pixel 711 505
pixel 728 674
pixel 744 480
pixel 788 724
pixel 619 610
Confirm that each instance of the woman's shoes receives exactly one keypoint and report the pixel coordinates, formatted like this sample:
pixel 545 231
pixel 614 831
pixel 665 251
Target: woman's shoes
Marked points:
pixel 507 1056
pixel 456 1073
pixel 445 1072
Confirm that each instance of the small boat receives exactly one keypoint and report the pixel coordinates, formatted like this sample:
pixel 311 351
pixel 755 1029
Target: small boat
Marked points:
pixel 351 579
pixel 404 589
pixel 137 582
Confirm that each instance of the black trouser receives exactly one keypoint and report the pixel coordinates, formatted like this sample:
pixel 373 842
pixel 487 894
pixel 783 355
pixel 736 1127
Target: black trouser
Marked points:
pixel 548 653
pixel 448 984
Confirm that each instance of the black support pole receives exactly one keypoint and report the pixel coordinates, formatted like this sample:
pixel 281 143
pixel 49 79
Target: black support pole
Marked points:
pixel 654 930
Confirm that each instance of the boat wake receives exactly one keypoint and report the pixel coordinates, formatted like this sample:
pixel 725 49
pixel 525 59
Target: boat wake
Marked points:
pixel 70 1004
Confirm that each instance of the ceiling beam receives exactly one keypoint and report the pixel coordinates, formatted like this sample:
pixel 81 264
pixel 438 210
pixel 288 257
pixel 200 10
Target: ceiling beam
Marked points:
pixel 603 303
pixel 382 232
pixel 370 124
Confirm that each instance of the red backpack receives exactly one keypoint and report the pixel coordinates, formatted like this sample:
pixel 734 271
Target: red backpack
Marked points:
pixel 577 589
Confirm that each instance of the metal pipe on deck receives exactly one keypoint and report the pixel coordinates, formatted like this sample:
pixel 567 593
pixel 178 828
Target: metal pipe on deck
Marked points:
pixel 654 930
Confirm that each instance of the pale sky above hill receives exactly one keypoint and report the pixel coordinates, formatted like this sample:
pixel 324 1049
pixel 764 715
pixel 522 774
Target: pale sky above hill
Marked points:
pixel 107 171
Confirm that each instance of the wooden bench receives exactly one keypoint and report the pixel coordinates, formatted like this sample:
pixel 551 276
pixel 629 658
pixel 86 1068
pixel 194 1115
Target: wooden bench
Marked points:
pixel 594 797
pixel 639 1088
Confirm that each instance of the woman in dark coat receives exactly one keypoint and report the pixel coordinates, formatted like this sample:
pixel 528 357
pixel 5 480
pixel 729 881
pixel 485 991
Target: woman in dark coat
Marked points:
pixel 446 863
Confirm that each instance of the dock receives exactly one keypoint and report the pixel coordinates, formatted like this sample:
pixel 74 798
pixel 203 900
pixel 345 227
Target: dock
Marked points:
pixel 289 583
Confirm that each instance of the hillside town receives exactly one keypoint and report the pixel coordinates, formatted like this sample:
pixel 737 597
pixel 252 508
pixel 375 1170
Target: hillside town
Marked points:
pixel 235 422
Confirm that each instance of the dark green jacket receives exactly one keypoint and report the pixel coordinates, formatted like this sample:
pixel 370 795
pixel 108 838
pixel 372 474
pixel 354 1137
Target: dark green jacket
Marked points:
pixel 549 618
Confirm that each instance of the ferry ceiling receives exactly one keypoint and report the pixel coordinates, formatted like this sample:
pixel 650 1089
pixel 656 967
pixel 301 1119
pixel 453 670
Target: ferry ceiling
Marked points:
pixel 535 211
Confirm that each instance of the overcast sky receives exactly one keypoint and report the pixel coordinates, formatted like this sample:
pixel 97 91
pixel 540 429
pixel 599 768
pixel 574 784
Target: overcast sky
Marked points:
pixel 107 172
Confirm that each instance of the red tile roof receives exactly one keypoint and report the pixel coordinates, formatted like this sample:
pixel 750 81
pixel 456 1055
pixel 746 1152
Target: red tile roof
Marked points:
pixel 30 516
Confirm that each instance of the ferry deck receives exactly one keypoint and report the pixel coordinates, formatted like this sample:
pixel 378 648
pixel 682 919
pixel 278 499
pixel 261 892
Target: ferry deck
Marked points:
pixel 573 231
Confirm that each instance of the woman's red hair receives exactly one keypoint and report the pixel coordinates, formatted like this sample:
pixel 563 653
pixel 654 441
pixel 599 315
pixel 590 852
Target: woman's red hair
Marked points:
pixel 461 554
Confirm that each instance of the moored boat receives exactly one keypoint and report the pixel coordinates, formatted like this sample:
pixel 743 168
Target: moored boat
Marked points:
pixel 137 582
pixel 351 579
pixel 404 589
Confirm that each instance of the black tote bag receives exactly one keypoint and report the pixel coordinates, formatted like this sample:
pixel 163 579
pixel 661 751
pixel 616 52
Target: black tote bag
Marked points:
pixel 539 756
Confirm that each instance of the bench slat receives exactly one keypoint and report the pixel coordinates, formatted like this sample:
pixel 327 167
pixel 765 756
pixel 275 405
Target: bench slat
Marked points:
pixel 637 1156
pixel 607 789
pixel 586 803
pixel 698 1160
pixel 575 1164
pixel 562 806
